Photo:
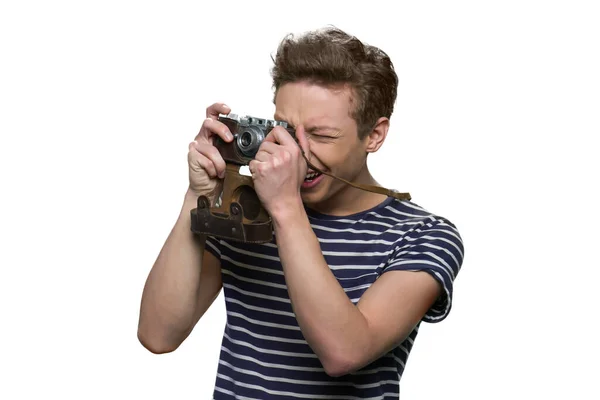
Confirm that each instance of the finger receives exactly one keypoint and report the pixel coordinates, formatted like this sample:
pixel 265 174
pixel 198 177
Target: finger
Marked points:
pixel 269 147
pixel 211 127
pixel 280 135
pixel 212 153
pixel 252 166
pixel 214 110
pixel 303 140
pixel 199 161
pixel 257 168
pixel 263 156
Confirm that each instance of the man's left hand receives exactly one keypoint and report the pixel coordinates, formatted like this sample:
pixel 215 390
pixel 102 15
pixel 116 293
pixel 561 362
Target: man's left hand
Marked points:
pixel 278 169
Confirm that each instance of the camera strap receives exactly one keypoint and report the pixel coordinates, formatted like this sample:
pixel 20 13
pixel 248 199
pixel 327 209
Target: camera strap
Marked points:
pixel 369 188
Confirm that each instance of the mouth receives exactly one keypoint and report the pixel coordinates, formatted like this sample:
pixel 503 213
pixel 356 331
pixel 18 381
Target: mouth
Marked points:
pixel 311 176
pixel 312 179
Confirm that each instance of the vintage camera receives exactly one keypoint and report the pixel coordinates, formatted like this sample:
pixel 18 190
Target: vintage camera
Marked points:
pixel 248 134
pixel 239 215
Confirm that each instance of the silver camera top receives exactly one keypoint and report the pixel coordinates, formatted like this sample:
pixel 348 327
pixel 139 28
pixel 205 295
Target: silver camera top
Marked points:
pixel 247 120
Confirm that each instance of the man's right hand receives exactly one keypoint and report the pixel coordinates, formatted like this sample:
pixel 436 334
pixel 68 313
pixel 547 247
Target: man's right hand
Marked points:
pixel 206 166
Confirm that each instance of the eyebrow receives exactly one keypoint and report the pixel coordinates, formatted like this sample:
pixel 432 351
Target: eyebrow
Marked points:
pixel 321 128
pixel 313 128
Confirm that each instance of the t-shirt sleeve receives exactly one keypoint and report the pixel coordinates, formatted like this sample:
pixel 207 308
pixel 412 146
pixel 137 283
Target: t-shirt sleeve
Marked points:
pixel 437 248
pixel 213 245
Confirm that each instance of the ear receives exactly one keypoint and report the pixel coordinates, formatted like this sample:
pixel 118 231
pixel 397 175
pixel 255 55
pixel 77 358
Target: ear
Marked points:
pixel 374 140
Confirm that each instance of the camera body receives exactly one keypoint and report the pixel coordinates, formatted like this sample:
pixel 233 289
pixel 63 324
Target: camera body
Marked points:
pixel 248 134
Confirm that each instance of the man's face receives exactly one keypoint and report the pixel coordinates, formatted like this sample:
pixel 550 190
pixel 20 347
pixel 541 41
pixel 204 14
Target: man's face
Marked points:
pixel 332 135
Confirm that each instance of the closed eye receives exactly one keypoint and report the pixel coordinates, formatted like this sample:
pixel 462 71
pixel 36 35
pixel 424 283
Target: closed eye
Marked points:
pixel 320 134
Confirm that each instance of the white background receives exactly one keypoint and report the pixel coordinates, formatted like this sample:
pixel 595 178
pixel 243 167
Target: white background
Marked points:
pixel 495 128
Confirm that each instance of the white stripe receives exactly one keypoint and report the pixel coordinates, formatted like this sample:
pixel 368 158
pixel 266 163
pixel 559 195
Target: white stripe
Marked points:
pixel 451 231
pixel 398 212
pixel 263 323
pixel 299 368
pixel 261 309
pixel 362 221
pixel 353 267
pixel 256 281
pixel 414 206
pixel 351 230
pixel 453 244
pixel 250 253
pixel 304 396
pixel 352 289
pixel 258 295
pixel 404 349
pixel 448 268
pixel 426 262
pixel 307 382
pixel 432 246
pixel 356 277
pixel 399 361
pixel 272 365
pixel 282 299
pixel 396 220
pixel 267 337
pixel 252 267
pixel 357 254
pixel 400 233
pixel 229 392
pixel 267 351
pixel 356 241
pixel 212 246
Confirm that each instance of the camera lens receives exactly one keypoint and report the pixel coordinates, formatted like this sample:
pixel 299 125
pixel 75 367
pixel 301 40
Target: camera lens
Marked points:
pixel 246 139
pixel 249 140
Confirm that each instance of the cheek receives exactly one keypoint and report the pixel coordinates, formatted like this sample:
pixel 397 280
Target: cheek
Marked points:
pixel 337 157
pixel 342 163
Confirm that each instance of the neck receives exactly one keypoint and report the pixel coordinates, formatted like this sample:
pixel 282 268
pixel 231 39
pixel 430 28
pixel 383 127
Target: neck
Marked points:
pixel 350 200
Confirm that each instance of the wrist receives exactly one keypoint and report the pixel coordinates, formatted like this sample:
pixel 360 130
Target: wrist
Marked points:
pixel 284 212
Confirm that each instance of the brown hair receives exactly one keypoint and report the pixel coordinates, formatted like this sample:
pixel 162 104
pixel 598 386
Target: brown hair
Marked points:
pixel 332 57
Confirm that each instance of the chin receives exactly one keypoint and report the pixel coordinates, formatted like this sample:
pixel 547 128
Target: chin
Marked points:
pixel 313 197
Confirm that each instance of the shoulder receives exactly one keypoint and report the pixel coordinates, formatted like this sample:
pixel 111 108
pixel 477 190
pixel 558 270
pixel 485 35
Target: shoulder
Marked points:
pixel 424 235
pixel 415 219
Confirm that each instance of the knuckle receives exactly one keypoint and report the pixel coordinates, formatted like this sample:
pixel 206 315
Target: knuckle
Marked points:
pixel 286 156
pixel 214 152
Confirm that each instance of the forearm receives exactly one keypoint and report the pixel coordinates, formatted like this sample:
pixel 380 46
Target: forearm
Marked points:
pixel 333 326
pixel 171 292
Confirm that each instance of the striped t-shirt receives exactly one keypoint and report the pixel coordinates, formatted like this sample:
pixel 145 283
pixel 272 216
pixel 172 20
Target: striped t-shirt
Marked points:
pixel 264 354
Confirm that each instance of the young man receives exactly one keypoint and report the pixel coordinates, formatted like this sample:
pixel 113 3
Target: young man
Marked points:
pixel 331 307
